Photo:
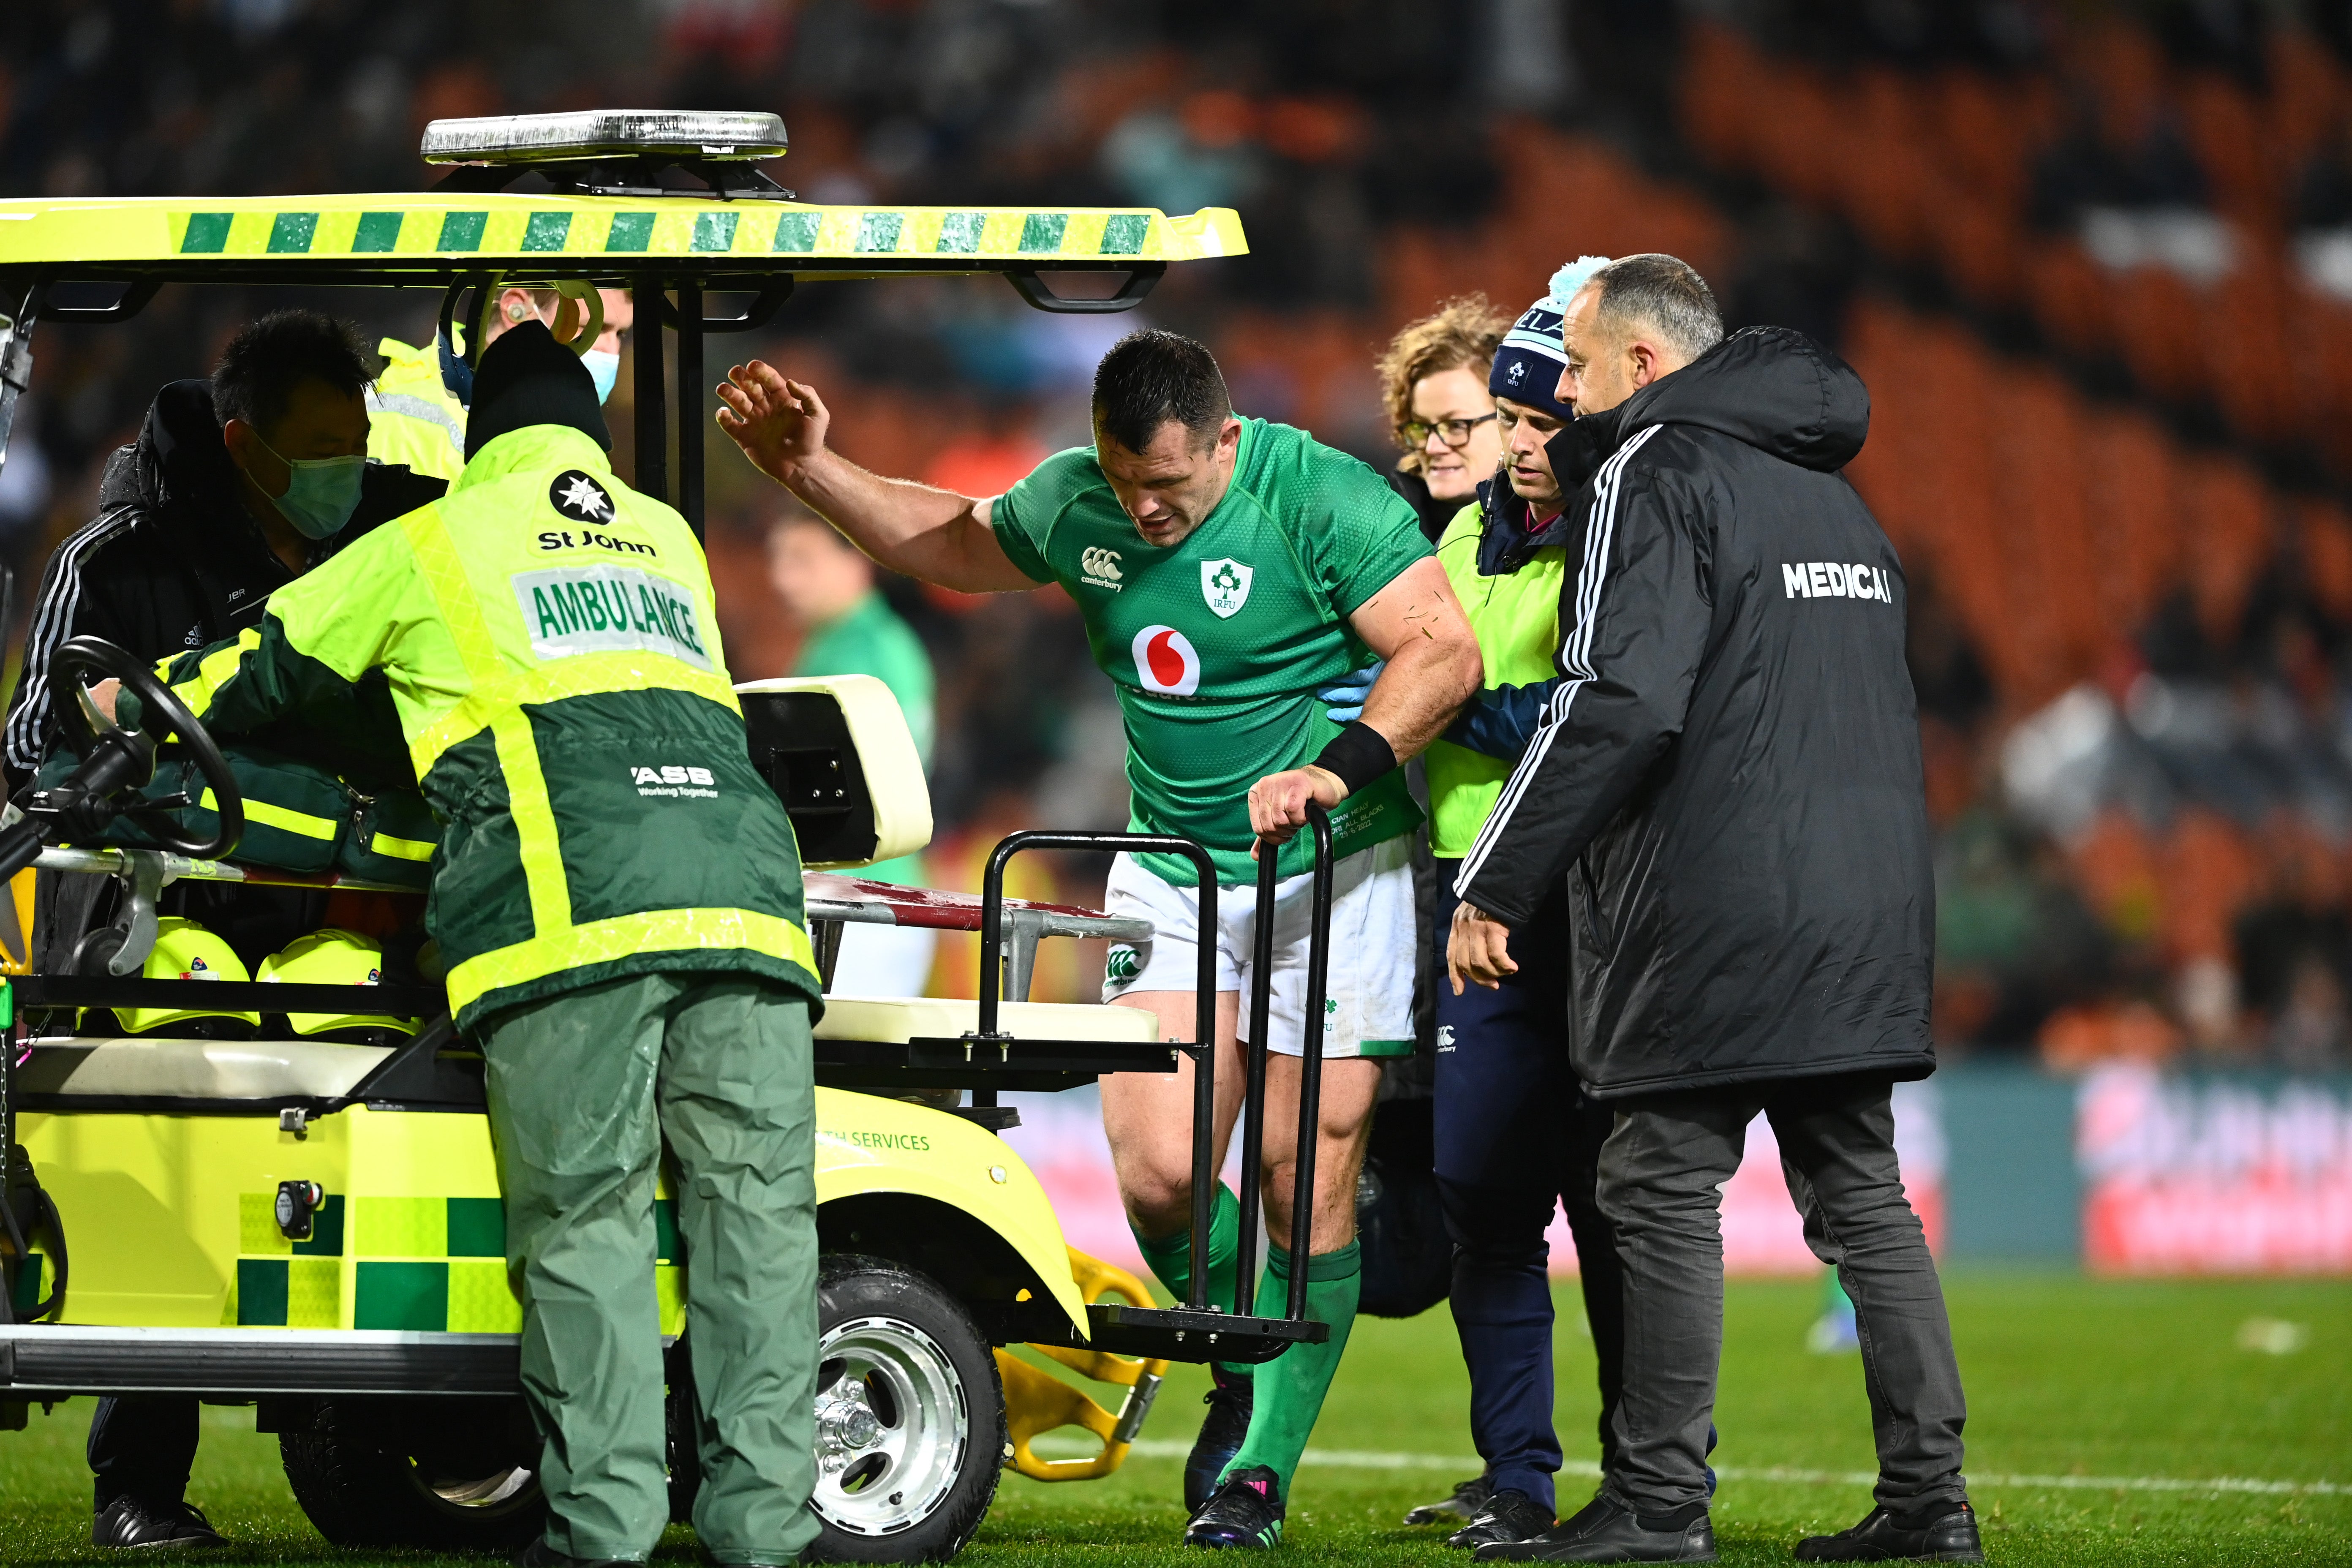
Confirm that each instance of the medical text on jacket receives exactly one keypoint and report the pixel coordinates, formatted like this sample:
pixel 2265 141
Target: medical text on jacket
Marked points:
pixel 1833 580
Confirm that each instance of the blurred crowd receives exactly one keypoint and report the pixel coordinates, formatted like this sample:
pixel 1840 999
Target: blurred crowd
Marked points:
pixel 2094 261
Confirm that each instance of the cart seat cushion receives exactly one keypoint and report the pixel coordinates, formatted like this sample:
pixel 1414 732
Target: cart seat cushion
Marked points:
pixel 146 1068
pixel 902 1019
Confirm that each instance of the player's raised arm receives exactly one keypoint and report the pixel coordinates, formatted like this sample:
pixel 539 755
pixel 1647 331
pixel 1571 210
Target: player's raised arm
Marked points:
pixel 933 534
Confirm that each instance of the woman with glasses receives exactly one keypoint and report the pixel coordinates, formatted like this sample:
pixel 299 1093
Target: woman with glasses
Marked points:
pixel 1433 377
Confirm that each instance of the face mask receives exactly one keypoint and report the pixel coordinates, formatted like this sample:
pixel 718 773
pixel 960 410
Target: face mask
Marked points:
pixel 603 369
pixel 322 494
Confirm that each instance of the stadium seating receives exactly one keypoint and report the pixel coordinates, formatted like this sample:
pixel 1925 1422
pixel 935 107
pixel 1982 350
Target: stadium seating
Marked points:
pixel 1938 171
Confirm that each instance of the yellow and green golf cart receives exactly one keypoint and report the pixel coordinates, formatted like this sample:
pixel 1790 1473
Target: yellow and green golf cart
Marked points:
pixel 302 1214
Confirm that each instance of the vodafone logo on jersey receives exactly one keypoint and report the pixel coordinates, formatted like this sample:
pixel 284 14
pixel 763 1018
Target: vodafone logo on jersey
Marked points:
pixel 1166 662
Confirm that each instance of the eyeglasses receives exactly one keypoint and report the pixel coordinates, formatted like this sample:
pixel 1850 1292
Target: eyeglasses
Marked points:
pixel 1415 433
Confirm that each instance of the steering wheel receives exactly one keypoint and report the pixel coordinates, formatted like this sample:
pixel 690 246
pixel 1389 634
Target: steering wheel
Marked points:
pixel 89 734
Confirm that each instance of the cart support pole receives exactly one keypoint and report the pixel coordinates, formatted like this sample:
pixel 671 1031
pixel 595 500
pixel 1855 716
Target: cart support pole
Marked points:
pixel 1254 1053
pixel 652 476
pixel 1310 1062
pixel 1204 1084
pixel 689 405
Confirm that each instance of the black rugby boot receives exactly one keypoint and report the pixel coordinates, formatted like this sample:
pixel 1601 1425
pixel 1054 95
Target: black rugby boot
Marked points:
pixel 144 1524
pixel 1607 1531
pixel 1937 1533
pixel 1460 1508
pixel 1509 1515
pixel 1230 1399
pixel 1244 1513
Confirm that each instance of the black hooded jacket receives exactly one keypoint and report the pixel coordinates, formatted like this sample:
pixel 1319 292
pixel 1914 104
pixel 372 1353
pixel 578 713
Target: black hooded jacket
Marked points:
pixel 1728 775
pixel 173 561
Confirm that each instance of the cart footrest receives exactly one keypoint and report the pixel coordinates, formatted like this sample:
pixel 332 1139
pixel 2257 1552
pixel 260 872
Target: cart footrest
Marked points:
pixel 60 1362
pixel 1194 1333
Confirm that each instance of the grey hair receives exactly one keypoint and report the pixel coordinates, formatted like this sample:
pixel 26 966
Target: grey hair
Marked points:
pixel 1665 294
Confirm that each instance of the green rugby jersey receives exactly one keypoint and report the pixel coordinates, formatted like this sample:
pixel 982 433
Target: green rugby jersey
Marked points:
pixel 1217 645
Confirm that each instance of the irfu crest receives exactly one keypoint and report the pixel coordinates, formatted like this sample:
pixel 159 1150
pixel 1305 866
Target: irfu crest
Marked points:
pixel 1226 585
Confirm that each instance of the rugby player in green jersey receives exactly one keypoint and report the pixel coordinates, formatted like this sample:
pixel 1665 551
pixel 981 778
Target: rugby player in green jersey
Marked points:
pixel 1225 568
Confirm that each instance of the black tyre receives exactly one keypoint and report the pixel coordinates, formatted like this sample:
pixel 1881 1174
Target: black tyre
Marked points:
pixel 443 1475
pixel 909 1417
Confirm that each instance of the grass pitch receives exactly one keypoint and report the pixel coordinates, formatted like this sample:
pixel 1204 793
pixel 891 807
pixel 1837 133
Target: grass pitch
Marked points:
pixel 2100 1410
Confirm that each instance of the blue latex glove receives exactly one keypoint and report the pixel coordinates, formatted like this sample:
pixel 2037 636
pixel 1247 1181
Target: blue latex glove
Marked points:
pixel 1344 698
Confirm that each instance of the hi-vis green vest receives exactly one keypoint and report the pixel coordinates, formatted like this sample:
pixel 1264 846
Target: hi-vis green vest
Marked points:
pixel 552 651
pixel 1517 617
pixel 411 418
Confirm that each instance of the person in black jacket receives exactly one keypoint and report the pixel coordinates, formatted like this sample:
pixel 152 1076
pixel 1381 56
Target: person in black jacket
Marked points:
pixel 224 495
pixel 1728 779
pixel 235 486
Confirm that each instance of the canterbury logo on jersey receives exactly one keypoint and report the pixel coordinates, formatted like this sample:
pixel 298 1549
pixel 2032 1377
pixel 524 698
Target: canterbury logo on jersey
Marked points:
pixel 1166 663
pixel 1101 568
pixel 1833 580
pixel 608 609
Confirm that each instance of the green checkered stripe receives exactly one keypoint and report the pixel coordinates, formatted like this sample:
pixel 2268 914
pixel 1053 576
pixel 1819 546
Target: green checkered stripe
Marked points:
pixel 31 1283
pixel 430 1264
pixel 766 230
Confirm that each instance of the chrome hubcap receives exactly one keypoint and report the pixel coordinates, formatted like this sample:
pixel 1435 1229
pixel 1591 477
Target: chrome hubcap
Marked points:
pixel 492 1489
pixel 890 1426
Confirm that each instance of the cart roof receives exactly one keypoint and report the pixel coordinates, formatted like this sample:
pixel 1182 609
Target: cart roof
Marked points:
pixel 428 237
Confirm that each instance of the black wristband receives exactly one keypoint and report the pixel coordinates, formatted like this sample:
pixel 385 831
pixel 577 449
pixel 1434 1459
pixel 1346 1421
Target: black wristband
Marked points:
pixel 1359 754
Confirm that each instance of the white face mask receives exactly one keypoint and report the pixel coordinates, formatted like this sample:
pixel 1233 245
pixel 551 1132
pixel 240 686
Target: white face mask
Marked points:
pixel 605 369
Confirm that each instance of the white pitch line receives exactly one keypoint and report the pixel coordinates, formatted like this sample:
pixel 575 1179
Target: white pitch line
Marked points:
pixel 1367 1459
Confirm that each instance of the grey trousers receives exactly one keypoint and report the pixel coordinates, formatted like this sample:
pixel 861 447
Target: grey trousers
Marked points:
pixel 1661 1178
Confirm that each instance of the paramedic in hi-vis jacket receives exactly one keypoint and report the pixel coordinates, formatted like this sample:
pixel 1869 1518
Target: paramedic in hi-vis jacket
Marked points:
pixel 630 958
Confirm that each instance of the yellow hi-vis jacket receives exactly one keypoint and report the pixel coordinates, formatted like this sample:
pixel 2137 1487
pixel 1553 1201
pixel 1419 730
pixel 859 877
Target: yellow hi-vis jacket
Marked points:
pixel 552 652
pixel 1516 616
pixel 411 418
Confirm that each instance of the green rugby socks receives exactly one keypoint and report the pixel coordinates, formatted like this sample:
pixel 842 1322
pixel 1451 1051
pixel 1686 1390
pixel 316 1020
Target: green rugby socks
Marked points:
pixel 1170 1257
pixel 1290 1388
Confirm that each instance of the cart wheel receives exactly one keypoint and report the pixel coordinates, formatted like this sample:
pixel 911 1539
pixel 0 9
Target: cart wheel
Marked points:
pixel 445 1475
pixel 909 1417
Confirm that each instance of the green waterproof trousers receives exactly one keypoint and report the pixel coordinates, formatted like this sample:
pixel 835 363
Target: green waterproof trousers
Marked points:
pixel 584 1090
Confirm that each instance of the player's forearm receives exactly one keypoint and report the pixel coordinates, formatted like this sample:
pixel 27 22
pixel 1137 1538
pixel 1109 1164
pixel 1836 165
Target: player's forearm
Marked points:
pixel 909 527
pixel 1425 684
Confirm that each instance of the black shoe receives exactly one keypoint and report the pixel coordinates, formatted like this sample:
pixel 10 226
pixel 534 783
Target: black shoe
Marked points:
pixel 1244 1512
pixel 1945 1532
pixel 540 1554
pixel 1459 1509
pixel 1607 1531
pixel 1230 1400
pixel 1509 1515
pixel 131 1522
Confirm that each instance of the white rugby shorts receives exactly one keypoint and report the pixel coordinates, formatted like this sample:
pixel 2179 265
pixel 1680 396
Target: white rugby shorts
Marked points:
pixel 1368 1008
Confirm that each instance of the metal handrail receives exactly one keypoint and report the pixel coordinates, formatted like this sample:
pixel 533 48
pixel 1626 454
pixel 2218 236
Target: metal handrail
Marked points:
pixel 1204 1016
pixel 1310 1066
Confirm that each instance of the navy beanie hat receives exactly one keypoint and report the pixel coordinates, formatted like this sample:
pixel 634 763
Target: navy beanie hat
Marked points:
pixel 1527 366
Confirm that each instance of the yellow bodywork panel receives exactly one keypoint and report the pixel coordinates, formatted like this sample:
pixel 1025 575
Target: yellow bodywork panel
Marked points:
pixel 618 234
pixel 171 1219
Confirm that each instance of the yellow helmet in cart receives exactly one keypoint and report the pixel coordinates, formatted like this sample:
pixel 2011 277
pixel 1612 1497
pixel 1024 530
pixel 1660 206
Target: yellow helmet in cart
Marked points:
pixel 185 950
pixel 333 957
